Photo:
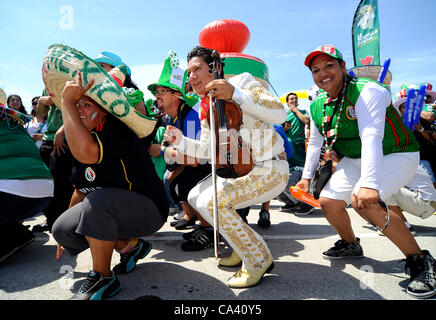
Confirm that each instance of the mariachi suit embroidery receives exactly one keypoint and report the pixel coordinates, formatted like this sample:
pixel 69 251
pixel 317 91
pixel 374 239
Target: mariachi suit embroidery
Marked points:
pixel 268 178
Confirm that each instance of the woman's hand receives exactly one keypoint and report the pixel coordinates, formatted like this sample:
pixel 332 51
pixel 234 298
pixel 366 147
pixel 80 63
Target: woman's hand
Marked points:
pixel 366 198
pixel 173 135
pixel 74 90
pixel 37 136
pixel 304 184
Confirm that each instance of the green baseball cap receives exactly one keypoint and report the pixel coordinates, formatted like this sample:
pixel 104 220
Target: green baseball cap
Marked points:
pixel 326 49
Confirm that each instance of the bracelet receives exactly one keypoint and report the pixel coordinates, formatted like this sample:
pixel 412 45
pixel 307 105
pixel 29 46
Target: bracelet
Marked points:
pixel 162 150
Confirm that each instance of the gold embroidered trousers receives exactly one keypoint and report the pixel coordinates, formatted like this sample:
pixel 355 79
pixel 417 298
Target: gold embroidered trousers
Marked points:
pixel 267 180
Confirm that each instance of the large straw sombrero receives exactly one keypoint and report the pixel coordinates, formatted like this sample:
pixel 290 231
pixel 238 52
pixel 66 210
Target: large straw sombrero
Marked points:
pixel 61 64
pixel 2 98
pixel 372 72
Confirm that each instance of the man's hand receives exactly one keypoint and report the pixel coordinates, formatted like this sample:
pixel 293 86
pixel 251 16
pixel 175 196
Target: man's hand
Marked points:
pixel 173 135
pixel 293 108
pixel 220 89
pixel 58 142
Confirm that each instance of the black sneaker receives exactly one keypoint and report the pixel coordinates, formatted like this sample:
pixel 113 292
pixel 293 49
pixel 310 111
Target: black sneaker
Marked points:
pixel 263 221
pixel 302 209
pixel 422 270
pixel 128 260
pixel 97 287
pixel 191 234
pixel 288 208
pixel 201 240
pixel 342 249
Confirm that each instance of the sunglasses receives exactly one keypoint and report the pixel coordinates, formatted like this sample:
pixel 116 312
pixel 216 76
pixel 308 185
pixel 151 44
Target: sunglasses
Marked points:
pixel 163 91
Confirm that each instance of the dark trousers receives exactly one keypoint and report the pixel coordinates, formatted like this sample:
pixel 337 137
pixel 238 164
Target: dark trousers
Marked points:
pixel 61 169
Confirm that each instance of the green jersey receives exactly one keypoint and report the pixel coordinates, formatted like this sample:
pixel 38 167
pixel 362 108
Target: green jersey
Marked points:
pixel 397 137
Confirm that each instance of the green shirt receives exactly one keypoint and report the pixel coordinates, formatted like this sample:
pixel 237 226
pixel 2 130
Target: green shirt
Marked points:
pixel 397 137
pixel 54 121
pixel 19 155
pixel 296 138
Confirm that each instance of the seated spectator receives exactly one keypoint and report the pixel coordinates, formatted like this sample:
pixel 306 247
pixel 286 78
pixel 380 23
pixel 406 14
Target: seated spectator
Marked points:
pixel 118 196
pixel 38 125
pixel 26 185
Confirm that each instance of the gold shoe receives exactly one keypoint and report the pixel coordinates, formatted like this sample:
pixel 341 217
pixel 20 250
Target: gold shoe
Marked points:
pixel 246 278
pixel 231 261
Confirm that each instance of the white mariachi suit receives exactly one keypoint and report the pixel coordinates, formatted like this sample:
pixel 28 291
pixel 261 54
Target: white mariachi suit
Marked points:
pixel 268 178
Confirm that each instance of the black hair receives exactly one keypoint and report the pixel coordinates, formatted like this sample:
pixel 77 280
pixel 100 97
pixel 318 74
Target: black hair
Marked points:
pixel 206 54
pixel 22 108
pixel 291 94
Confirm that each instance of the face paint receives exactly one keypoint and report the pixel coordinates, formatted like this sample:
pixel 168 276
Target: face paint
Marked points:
pixel 93 116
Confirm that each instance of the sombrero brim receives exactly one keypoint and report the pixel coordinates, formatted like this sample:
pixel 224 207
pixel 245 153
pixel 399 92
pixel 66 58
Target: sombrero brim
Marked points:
pixel 190 101
pixel 397 103
pixel 61 64
pixel 2 98
pixel 372 72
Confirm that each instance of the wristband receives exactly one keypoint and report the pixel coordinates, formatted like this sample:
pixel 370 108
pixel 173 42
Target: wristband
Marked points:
pixel 162 150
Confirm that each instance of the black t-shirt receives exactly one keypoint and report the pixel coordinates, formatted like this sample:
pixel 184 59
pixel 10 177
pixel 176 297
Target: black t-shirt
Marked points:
pixel 124 162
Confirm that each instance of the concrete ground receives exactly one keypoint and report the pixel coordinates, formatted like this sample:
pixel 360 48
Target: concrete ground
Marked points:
pixel 168 273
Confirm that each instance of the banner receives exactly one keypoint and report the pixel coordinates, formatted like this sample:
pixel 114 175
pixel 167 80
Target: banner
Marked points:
pixel 366 34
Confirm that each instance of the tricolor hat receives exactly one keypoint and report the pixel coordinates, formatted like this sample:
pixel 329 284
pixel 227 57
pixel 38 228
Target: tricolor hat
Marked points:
pixel 327 49
pixel 2 98
pixel 400 98
pixel 111 59
pixel 173 77
pixel 61 64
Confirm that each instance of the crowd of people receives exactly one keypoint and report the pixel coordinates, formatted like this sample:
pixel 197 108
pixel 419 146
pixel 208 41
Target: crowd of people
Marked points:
pixel 107 168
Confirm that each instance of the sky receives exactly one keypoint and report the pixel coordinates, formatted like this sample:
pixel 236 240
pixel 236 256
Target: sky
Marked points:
pixel 282 33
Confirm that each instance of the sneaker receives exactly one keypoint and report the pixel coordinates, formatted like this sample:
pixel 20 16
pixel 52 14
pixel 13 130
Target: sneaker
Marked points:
pixel 264 221
pixel 128 260
pixel 343 249
pixel 422 270
pixel 179 215
pixel 97 287
pixel 191 234
pixel 201 240
pixel 288 208
pixel 302 209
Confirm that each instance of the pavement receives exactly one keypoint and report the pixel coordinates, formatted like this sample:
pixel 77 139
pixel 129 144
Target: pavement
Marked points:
pixel 168 273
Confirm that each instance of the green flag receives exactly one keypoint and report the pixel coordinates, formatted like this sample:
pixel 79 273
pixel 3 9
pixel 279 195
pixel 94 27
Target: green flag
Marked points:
pixel 366 34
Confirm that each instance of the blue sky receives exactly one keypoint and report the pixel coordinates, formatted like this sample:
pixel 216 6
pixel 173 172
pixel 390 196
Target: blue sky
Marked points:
pixel 142 33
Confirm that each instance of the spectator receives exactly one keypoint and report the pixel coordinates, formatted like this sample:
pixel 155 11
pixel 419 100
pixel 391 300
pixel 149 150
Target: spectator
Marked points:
pixel 118 196
pixel 37 127
pixel 266 180
pixel 354 118
pixel 15 102
pixel 294 127
pixel 26 185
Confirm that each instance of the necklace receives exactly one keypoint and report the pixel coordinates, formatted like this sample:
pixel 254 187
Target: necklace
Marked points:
pixel 326 120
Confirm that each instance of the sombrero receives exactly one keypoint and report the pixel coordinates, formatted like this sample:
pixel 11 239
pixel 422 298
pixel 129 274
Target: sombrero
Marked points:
pixel 61 64
pixel 2 98
pixel 372 72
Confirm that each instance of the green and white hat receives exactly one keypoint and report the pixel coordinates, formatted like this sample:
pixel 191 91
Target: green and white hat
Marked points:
pixel 173 77
pixel 61 64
